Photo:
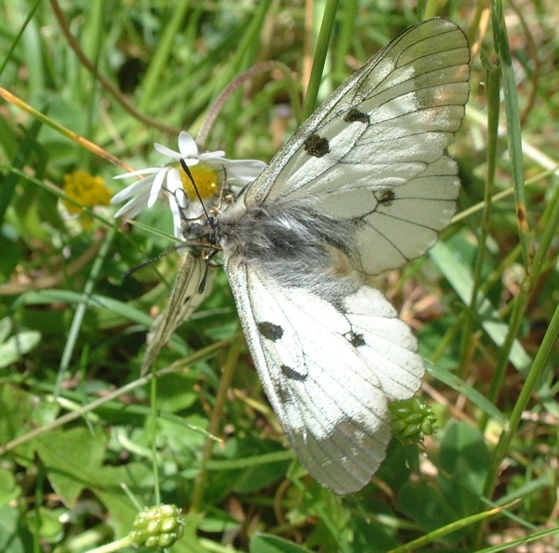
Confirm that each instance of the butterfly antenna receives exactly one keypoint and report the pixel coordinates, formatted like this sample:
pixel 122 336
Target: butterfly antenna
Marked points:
pixel 150 261
pixel 210 220
pixel 186 169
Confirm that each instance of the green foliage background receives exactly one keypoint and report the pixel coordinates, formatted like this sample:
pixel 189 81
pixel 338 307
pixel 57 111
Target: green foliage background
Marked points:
pixel 81 431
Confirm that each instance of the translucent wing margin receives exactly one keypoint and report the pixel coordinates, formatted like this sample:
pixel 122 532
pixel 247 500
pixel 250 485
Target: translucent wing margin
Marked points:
pixel 330 384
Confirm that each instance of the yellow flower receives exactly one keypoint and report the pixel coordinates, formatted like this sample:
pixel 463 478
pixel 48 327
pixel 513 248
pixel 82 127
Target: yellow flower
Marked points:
pixel 89 191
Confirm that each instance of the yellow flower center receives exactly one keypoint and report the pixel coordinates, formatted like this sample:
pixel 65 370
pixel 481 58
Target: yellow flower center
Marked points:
pixel 206 178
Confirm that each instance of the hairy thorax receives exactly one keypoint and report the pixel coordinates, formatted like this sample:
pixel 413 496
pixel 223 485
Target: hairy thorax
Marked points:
pixel 289 241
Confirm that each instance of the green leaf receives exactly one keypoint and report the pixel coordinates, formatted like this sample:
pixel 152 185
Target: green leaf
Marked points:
pixel 72 458
pixel 47 524
pixel 21 412
pixel 15 347
pixel 9 489
pixel 425 506
pixel 460 277
pixel 464 465
pixel 10 540
pixel 266 543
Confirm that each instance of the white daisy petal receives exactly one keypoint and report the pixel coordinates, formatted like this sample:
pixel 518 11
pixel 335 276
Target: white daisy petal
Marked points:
pixel 147 171
pixel 174 180
pixel 167 152
pixel 124 209
pixel 243 171
pixel 132 190
pixel 133 207
pixel 218 154
pixel 187 145
pixel 177 218
pixel 176 190
pixel 156 187
pixel 190 162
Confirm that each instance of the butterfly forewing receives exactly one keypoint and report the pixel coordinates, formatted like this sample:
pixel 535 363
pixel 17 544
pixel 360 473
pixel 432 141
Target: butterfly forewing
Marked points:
pixel 394 115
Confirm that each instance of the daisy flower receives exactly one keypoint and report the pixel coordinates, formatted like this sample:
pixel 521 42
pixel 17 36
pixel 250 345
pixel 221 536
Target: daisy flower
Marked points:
pixel 211 171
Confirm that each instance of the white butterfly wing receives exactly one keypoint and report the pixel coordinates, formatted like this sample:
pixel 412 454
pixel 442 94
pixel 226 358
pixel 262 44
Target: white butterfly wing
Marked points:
pixel 328 370
pixel 407 222
pixel 373 152
pixel 185 298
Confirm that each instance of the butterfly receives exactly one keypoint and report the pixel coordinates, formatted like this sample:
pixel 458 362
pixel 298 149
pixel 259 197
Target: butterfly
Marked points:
pixel 363 186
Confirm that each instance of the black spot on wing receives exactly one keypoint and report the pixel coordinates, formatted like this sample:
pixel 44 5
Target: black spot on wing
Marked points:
pixel 270 331
pixel 356 116
pixel 292 373
pixel 355 339
pixel 386 197
pixel 316 146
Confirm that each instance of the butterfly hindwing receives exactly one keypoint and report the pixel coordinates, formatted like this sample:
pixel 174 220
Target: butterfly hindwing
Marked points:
pixel 329 368
pixel 405 221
